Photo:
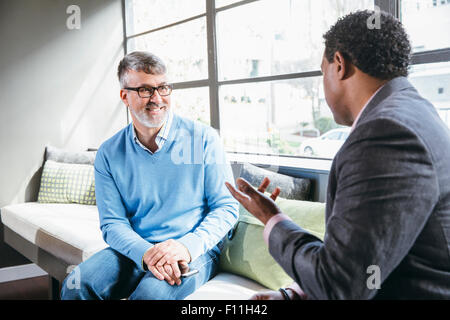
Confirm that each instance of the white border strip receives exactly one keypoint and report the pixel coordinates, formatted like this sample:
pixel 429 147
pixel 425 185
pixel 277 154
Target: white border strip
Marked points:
pixel 21 272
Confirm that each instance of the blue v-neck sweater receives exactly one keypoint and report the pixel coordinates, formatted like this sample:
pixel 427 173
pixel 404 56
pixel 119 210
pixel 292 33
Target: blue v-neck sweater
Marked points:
pixel 175 193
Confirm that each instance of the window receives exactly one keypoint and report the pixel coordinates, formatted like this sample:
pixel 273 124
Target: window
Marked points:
pixel 333 136
pixel 251 68
pixel 430 71
pixel 431 80
pixel 192 103
pixel 282 36
pixel 145 15
pixel 425 24
pixel 273 117
pixel 182 47
pixel 258 44
pixel 175 30
pixel 265 92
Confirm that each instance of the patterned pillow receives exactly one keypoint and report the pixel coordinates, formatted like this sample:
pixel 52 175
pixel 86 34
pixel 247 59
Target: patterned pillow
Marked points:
pixel 291 188
pixel 67 183
pixel 62 155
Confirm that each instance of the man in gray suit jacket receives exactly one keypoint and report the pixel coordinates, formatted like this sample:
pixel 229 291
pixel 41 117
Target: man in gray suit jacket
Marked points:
pixel 388 202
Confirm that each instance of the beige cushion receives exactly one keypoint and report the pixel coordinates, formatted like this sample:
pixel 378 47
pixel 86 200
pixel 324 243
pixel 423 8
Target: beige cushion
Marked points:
pixel 70 232
pixel 247 254
pixel 227 286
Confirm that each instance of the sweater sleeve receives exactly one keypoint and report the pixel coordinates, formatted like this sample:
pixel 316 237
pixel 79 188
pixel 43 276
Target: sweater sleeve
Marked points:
pixel 223 209
pixel 114 224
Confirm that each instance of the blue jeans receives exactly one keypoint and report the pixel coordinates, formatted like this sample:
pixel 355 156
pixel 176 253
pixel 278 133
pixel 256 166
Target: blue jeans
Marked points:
pixel 110 275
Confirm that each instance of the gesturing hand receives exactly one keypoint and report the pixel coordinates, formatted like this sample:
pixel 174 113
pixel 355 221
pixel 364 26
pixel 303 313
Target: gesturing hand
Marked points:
pixel 165 259
pixel 276 295
pixel 267 295
pixel 255 201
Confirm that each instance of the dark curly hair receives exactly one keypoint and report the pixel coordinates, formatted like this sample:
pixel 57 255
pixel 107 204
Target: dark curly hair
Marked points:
pixel 383 53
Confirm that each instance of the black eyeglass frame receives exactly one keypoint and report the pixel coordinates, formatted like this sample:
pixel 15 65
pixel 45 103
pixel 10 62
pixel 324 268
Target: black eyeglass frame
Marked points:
pixel 152 90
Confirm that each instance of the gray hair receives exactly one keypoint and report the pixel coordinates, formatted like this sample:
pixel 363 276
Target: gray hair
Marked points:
pixel 139 61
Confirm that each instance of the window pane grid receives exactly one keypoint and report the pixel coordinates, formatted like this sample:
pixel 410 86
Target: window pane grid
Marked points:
pixel 256 86
pixel 267 36
pixel 182 47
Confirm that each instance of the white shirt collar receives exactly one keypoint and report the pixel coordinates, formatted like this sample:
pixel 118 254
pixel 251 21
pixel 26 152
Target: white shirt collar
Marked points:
pixel 367 103
pixel 162 135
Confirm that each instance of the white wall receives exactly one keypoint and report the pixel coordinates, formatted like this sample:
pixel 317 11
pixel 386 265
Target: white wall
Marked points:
pixel 57 86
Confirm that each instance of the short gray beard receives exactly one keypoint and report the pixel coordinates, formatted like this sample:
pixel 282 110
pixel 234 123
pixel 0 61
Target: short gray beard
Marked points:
pixel 145 121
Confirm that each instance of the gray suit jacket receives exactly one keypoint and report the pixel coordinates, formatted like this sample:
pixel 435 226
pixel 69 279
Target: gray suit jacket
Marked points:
pixel 388 206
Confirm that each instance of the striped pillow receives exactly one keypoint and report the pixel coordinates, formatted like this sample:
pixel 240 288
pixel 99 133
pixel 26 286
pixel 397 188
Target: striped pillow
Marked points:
pixel 67 183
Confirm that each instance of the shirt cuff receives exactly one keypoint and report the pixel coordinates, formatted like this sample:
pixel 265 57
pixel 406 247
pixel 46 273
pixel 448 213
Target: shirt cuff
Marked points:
pixel 138 251
pixel 271 223
pixel 193 244
pixel 296 288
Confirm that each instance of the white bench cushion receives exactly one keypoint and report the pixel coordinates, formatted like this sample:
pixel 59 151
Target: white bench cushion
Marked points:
pixel 70 232
pixel 227 286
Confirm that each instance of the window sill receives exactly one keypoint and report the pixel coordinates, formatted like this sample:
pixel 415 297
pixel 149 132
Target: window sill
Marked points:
pixel 308 164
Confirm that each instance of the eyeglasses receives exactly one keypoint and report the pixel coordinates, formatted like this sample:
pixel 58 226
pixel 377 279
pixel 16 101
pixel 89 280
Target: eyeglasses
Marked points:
pixel 147 92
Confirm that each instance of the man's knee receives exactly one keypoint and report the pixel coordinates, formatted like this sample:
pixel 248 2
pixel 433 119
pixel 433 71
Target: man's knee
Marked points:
pixel 151 288
pixel 71 286
pixel 77 287
pixel 85 280
pixel 105 275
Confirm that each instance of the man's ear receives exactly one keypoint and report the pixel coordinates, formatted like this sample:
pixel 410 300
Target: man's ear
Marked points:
pixel 343 65
pixel 124 96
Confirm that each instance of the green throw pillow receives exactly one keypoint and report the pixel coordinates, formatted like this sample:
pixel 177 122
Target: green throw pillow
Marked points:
pixel 246 254
pixel 67 183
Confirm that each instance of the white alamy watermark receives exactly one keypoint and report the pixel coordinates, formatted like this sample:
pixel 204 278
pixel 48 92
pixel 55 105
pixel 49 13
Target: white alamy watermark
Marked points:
pixel 74 20
pixel 74 278
pixel 374 280
pixel 374 21
pixel 189 150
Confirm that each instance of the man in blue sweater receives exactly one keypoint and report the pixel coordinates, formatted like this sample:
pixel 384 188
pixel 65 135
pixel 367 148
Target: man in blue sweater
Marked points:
pixel 164 208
